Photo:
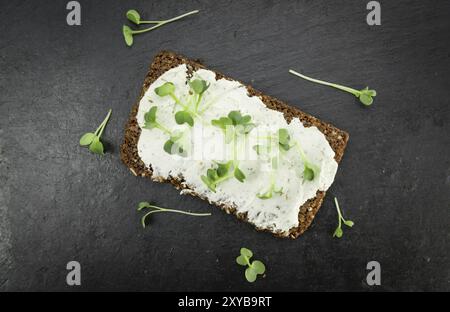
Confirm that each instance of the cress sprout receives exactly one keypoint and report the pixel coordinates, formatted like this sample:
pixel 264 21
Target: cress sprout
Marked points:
pixel 254 268
pixel 155 209
pixel 92 140
pixel 365 95
pixel 134 16
pixel 338 232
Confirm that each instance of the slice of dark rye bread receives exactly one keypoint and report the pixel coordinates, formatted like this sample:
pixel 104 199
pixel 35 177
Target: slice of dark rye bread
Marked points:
pixel 166 60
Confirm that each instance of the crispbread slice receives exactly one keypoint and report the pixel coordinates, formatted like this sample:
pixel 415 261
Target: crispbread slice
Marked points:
pixel 166 60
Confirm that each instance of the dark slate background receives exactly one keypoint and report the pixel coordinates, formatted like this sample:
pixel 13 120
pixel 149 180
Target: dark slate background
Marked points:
pixel 59 203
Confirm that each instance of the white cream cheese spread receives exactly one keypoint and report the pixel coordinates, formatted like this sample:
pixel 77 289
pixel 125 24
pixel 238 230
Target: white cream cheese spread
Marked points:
pixel 206 146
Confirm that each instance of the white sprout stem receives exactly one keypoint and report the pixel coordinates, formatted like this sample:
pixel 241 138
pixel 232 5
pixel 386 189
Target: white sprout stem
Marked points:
pixel 338 211
pixel 103 124
pixel 161 23
pixel 340 87
pixel 150 22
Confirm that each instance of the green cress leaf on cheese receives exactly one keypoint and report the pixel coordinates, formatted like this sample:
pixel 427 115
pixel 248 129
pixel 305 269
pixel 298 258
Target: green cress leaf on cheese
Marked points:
pixel 199 86
pixel 254 268
pixel 182 117
pixel 155 209
pixel 134 17
pixel 365 95
pixel 339 232
pixel 167 88
pixel 92 140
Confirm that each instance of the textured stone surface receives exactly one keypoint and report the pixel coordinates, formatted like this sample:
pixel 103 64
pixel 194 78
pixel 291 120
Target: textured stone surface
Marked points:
pixel 60 203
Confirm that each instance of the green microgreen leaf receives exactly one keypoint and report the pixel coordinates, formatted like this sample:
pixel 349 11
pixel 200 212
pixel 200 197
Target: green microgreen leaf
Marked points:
pixel 365 99
pixel 239 175
pixel 212 174
pixel 166 89
pixel 199 86
pixel 349 223
pixel 308 173
pixel 283 136
pixel 241 260
pixel 365 95
pixel 133 16
pixel 266 195
pixel 209 183
pixel 222 122
pixel 182 117
pixel 127 35
pixel 155 209
pixel 339 232
pixel 223 168
pixel 235 117
pixel 168 146
pixel 87 139
pixel 246 252
pixel 250 274
pixel 258 267
pixel 143 205
pixel 96 146
pixel 174 148
pixel 150 118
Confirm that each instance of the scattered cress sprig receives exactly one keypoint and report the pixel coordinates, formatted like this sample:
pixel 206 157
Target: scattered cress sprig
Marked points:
pixel 254 268
pixel 134 17
pixel 365 95
pixel 155 209
pixel 92 140
pixel 338 232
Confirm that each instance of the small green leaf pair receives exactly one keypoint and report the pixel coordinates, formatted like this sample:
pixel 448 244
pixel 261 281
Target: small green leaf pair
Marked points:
pixel 174 144
pixel 155 209
pixel 92 140
pixel 338 232
pixel 365 95
pixel 134 17
pixel 254 268
pixel 223 172
pixel 234 124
